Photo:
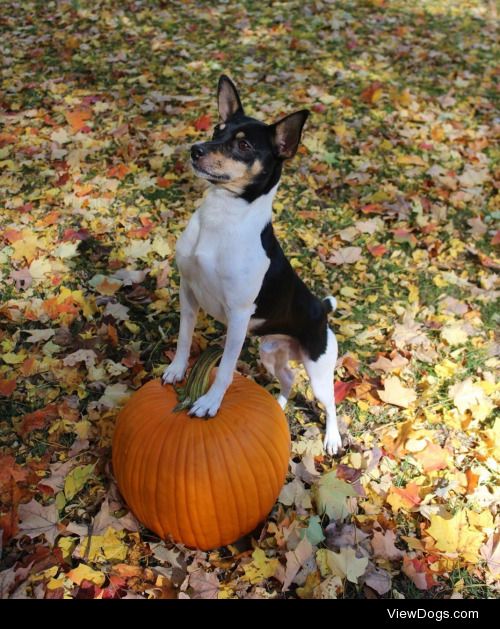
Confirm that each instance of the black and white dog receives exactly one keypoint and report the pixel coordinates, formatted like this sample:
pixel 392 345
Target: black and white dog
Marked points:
pixel 232 266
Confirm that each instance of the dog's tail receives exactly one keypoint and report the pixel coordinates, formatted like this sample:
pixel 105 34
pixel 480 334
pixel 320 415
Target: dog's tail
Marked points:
pixel 330 304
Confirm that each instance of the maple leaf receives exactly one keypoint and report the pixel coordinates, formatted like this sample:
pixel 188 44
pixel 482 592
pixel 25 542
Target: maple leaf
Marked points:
pixel 345 564
pixel 85 573
pixel 432 457
pixel 105 519
pixel 7 387
pixel 490 552
pixel 347 255
pixel 419 572
pixel 468 395
pixel 260 567
pixel 295 560
pixel 37 520
pixel 77 479
pixel 387 365
pixel 378 579
pixel 378 250
pixel 78 118
pixel 454 535
pixel 294 492
pixel 36 420
pixel 406 498
pixel 330 494
pixel 373 93
pixel 395 393
pixel 383 545
pixel 205 585
pixel 342 389
pixel 203 123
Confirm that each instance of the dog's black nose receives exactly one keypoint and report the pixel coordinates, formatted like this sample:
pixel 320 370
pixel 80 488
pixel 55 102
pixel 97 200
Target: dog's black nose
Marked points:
pixel 197 151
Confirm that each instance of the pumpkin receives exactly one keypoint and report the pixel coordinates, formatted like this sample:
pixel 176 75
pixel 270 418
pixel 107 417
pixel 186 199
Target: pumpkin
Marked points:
pixel 202 482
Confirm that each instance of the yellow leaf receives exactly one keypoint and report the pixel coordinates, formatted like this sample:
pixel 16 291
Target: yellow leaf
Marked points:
pixel 411 160
pixel 83 572
pixel 446 368
pixel 67 546
pixel 468 395
pixel 413 293
pixel 395 393
pixel 14 359
pixel 454 334
pixel 454 535
pixel 261 567
pixel 346 565
pixel 26 247
pixel 480 521
pixel 107 547
pixel 76 480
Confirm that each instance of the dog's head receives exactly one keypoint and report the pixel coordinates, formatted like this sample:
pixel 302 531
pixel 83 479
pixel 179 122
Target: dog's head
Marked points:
pixel 245 156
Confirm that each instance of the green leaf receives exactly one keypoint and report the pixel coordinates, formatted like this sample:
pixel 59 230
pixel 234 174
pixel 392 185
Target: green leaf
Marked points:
pixel 313 532
pixel 76 480
pixel 330 494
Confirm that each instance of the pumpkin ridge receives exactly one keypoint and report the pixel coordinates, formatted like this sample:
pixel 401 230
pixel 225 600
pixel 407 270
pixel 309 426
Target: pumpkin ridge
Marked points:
pixel 191 487
pixel 208 474
pixel 157 494
pixel 269 447
pixel 249 466
pixel 216 434
pixel 143 472
pixel 200 535
pixel 126 471
pixel 168 496
pixel 179 483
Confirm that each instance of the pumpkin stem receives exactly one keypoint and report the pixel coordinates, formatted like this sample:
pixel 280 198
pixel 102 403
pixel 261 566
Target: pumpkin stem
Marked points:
pixel 198 379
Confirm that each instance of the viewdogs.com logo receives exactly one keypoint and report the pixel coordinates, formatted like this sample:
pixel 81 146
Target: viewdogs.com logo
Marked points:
pixel 430 614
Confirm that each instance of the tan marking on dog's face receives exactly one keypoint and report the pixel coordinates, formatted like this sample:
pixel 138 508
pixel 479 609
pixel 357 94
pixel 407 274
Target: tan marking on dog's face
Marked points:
pixel 222 126
pixel 240 135
pixel 240 174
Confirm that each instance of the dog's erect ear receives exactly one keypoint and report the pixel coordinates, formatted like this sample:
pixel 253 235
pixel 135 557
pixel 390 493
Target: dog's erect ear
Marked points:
pixel 228 98
pixel 286 133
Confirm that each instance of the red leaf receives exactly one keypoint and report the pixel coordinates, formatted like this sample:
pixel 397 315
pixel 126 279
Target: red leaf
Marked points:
pixel 496 238
pixel 377 250
pixel 7 387
pixel 472 480
pixel 203 123
pixel 77 118
pixel 163 182
pixel 319 108
pixel 119 171
pixel 37 420
pixel 342 389
pixel 372 208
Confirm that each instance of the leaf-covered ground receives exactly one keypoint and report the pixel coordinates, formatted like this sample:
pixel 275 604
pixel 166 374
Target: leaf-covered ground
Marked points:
pixel 390 206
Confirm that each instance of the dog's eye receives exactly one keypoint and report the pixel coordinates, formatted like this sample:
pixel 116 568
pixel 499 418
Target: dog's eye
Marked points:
pixel 243 145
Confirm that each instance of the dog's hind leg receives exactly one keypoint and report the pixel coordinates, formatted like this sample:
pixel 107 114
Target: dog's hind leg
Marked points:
pixel 275 352
pixel 321 373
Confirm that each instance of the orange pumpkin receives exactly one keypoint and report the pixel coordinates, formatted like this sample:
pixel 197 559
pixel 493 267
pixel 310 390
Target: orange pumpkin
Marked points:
pixel 204 482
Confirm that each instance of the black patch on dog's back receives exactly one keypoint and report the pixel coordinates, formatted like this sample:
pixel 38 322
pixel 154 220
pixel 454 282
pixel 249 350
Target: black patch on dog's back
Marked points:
pixel 286 304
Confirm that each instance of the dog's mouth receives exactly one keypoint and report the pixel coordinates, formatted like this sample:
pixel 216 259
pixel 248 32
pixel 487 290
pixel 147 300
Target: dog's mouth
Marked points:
pixel 208 175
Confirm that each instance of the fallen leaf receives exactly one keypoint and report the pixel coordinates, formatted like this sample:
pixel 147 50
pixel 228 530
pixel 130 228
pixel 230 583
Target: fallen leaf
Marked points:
pixel 395 393
pixel 39 520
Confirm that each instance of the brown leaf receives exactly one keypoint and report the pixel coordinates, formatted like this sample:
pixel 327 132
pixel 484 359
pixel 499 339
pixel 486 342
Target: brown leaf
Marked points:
pixel 37 520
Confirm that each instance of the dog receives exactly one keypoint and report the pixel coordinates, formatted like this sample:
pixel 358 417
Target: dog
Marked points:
pixel 232 265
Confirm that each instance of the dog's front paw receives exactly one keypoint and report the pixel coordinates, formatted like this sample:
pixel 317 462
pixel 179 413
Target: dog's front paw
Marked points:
pixel 333 442
pixel 174 373
pixel 207 404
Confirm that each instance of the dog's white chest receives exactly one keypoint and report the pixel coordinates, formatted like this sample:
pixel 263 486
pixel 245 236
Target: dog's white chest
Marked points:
pixel 220 255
